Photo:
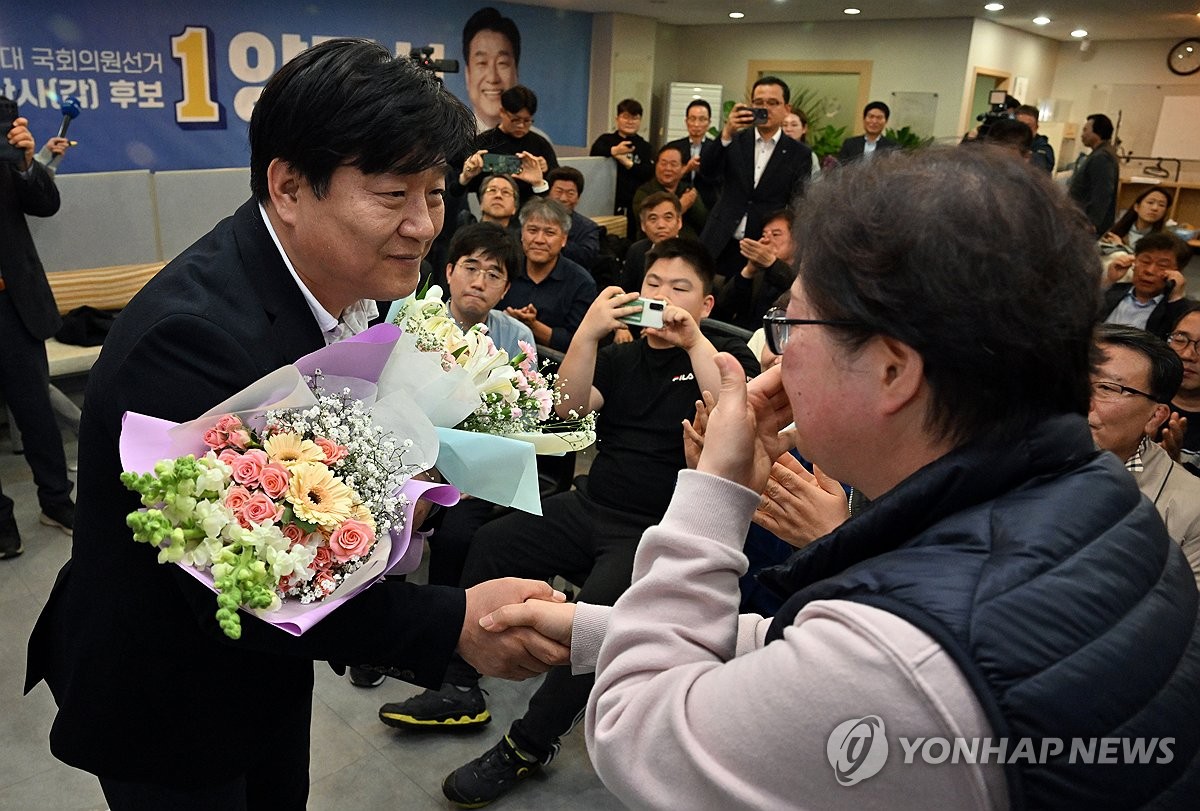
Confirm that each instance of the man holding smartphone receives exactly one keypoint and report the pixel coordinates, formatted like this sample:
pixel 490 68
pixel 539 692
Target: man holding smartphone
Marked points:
pixel 28 316
pixel 512 138
pixel 759 169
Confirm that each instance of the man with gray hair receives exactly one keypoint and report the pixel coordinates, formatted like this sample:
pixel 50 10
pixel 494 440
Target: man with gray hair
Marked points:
pixel 553 294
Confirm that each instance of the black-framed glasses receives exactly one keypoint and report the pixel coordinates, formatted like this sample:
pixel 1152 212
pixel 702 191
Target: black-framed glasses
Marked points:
pixel 777 327
pixel 1109 390
pixel 1180 341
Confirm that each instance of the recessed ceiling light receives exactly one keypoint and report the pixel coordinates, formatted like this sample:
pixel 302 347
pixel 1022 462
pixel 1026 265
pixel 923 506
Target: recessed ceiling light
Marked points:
pixel 1079 33
pixel 1043 20
pixel 851 11
pixel 994 7
pixel 736 15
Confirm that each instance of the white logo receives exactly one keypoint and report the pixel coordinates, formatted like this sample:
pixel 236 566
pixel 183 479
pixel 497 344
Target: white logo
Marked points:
pixel 857 749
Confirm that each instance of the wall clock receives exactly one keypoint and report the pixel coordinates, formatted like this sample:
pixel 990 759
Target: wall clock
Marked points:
pixel 1184 57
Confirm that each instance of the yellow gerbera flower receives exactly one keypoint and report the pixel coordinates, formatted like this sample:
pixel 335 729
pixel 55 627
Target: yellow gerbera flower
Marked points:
pixel 319 497
pixel 289 449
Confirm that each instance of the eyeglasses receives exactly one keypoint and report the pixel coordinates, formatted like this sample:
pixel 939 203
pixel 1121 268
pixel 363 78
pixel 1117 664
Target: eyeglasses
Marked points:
pixel 1179 341
pixel 778 327
pixel 520 121
pixel 1108 391
pixel 1161 264
pixel 490 277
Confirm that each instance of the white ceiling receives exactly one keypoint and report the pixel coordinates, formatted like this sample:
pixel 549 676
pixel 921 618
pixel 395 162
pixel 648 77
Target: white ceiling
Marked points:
pixel 1102 19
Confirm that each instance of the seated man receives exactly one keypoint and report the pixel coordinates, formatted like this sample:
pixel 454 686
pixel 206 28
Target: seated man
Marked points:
pixel 482 257
pixel 632 154
pixel 553 293
pixel 767 275
pixel 668 177
pixel 875 118
pixel 1130 391
pixel 1185 405
pixel 498 203
pixel 661 218
pixel 1153 301
pixel 566 186
pixel 642 390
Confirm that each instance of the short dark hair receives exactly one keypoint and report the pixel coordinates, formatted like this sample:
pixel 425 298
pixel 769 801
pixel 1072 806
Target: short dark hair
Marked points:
pixel 630 107
pixel 690 251
pixel 657 199
pixel 568 173
pixel 698 103
pixel 348 102
pixel 489 19
pixel 684 154
pixel 1165 241
pixel 1102 125
pixel 877 105
pixel 785 214
pixel 1009 132
pixel 518 98
pixel 1166 369
pixel 487 181
pixel 990 276
pixel 1028 109
pixel 775 80
pixel 492 240
pixel 543 208
pixel 1189 308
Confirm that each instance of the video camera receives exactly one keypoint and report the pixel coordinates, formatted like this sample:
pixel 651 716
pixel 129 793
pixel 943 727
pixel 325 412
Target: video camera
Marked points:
pixel 997 109
pixel 423 58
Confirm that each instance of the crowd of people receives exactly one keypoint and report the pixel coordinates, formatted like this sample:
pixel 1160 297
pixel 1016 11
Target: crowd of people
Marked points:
pixel 974 443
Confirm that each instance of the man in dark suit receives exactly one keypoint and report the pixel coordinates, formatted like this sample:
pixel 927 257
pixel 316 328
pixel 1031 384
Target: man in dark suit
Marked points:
pixel 697 118
pixel 760 170
pixel 28 316
pixel 875 118
pixel 348 151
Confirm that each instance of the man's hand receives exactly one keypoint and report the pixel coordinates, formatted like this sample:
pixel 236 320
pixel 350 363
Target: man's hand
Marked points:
pixel 531 168
pixel 760 256
pixel 740 117
pixel 744 430
pixel 694 429
pixel 798 506
pixel 679 328
pixel 472 166
pixel 1173 433
pixel 692 165
pixel 527 315
pixel 519 652
pixel 552 620
pixel 605 313
pixel 623 153
pixel 687 199
pixel 20 137
pixel 1180 288
pixel 57 146
pixel 1118 267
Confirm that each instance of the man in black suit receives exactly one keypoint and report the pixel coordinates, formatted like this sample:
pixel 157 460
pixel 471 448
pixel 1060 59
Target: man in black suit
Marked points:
pixel 875 118
pixel 348 152
pixel 760 170
pixel 697 118
pixel 28 316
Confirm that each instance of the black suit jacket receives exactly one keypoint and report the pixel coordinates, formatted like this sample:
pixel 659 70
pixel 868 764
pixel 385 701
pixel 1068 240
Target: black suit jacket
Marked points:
pixel 144 680
pixel 24 277
pixel 852 148
pixel 1162 317
pixel 782 179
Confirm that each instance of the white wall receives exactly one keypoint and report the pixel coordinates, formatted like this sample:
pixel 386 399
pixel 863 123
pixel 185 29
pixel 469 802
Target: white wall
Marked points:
pixel 1017 53
pixel 623 64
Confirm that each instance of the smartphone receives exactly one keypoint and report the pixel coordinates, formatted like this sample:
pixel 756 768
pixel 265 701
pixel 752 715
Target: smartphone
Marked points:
pixel 501 164
pixel 761 115
pixel 9 114
pixel 651 314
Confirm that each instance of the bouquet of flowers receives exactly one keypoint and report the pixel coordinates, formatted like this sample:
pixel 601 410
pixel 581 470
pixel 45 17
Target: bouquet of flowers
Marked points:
pixel 303 501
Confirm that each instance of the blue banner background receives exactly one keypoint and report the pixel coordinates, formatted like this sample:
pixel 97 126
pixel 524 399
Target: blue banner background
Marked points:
pixel 103 52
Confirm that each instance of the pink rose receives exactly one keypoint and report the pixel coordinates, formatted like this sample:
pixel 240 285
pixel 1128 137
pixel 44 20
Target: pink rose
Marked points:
pixel 352 539
pixel 249 466
pixel 261 510
pixel 229 456
pixel 323 559
pixel 228 423
pixel 214 438
pixel 293 533
pixel 236 497
pixel 239 438
pixel 334 452
pixel 274 480
pixel 325 582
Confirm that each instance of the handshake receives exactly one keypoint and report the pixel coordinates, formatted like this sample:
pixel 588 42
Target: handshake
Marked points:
pixel 516 628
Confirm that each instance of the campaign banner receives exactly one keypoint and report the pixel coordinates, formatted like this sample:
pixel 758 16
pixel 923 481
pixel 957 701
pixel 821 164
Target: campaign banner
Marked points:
pixel 172 86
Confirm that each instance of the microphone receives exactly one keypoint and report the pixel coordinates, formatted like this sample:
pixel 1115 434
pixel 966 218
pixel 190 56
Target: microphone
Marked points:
pixel 70 109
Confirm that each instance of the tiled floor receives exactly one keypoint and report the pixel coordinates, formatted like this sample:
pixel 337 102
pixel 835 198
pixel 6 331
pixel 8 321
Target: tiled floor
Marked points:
pixel 357 762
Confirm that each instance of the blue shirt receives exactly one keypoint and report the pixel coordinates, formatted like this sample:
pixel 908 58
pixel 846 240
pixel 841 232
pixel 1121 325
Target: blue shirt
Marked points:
pixel 1131 312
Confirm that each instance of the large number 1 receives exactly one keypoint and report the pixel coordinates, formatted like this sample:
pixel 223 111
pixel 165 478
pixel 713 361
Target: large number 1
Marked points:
pixel 193 49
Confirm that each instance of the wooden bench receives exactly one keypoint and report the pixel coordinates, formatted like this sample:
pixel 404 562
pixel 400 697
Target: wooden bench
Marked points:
pixel 107 288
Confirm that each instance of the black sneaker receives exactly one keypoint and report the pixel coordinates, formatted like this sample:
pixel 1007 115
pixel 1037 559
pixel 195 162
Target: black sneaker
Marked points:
pixel 10 540
pixel 59 516
pixel 366 677
pixel 448 707
pixel 491 775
